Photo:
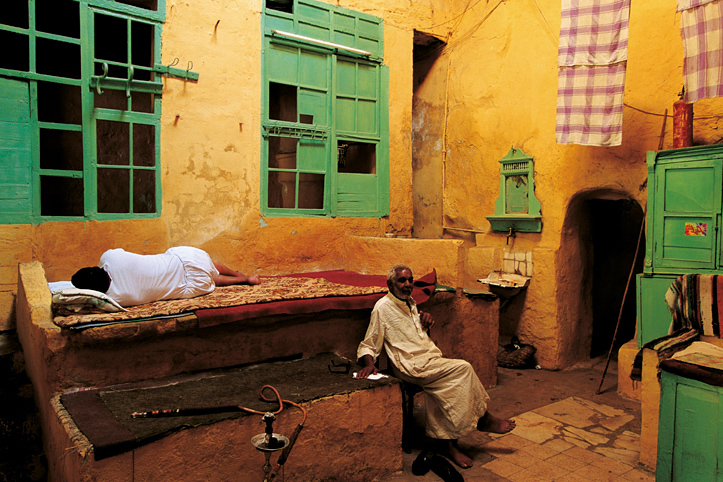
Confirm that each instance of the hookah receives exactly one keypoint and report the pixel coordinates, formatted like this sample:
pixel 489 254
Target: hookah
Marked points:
pixel 267 442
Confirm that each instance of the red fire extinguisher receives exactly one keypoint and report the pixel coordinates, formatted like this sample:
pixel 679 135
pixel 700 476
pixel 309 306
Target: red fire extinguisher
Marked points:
pixel 682 122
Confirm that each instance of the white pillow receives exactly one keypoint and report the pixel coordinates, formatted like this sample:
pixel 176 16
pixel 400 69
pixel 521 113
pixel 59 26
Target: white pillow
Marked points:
pixel 75 299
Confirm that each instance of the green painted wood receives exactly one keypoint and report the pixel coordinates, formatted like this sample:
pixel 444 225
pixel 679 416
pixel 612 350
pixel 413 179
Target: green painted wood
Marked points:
pixel 15 152
pixel 339 95
pixel 683 211
pixel 356 194
pixel 689 203
pixel 689 431
pixel 653 315
pixel 666 427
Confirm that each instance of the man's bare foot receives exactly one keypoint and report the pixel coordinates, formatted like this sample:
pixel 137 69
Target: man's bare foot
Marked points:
pixel 492 424
pixel 253 279
pixel 457 456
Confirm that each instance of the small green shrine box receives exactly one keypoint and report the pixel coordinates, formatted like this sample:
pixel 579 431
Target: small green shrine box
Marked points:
pixel 517 208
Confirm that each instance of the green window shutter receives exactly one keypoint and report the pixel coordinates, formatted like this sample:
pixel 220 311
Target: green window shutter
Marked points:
pixel 15 152
pixel 325 86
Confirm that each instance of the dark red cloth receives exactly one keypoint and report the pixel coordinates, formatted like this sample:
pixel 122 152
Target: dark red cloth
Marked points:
pixel 423 289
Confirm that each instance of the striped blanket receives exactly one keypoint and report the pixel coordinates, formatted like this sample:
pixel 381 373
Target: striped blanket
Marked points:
pixel 695 302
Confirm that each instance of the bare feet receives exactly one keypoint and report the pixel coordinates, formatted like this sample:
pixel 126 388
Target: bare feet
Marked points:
pixel 254 279
pixel 490 423
pixel 457 456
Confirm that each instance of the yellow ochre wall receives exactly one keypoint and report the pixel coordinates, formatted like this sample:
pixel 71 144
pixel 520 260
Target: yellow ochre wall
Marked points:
pixel 494 86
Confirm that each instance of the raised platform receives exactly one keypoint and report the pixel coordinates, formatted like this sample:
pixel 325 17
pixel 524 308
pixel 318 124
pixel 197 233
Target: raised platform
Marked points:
pixel 58 360
pixel 352 432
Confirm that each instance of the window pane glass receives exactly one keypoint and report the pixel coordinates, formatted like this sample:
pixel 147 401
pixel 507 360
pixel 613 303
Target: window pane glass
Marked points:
pixel 15 58
pixel 111 39
pixel 60 17
pixel 282 189
pixel 311 191
pixel 61 196
pixel 144 191
pixel 286 6
pixel 110 99
pixel 59 103
pixel 142 102
pixel 282 102
pixel 147 4
pixel 113 191
pixel 113 140
pixel 282 152
pixel 61 149
pixel 357 157
pixel 142 44
pixel 15 13
pixel 59 59
pixel 144 145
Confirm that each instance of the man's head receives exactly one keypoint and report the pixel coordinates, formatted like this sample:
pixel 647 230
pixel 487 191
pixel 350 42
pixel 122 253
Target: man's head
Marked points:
pixel 91 278
pixel 400 281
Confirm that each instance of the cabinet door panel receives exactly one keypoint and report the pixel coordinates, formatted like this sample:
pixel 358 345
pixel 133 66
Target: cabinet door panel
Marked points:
pixel 689 196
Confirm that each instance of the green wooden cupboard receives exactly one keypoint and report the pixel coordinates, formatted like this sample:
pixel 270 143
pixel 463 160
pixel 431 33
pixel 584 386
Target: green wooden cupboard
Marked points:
pixel 689 430
pixel 683 235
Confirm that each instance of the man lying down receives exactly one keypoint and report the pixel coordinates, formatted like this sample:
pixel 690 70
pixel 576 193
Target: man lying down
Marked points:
pixel 134 279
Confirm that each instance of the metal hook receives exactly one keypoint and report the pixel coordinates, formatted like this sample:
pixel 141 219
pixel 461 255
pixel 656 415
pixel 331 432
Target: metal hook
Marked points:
pixel 189 66
pixel 105 74
pixel 131 72
pixel 175 62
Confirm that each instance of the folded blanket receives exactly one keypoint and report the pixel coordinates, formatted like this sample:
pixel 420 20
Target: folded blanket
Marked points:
pixel 695 302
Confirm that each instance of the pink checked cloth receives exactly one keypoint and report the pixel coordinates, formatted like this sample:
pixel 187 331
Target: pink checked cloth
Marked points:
pixel 592 58
pixel 702 32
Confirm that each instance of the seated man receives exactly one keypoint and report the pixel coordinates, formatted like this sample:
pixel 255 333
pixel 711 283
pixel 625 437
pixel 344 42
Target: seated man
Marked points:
pixel 134 279
pixel 455 400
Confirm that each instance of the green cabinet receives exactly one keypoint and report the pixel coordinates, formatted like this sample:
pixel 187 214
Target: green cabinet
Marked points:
pixel 684 210
pixel 683 221
pixel 653 316
pixel 689 431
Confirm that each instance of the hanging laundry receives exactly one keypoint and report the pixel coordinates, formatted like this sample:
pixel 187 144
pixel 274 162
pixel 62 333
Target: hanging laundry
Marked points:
pixel 592 59
pixel 702 31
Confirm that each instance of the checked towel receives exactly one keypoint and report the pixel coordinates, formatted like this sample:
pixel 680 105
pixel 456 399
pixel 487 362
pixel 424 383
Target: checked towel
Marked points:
pixel 592 58
pixel 702 32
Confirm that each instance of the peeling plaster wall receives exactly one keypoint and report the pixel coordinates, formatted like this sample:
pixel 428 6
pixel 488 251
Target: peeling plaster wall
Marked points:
pixel 210 158
pixel 494 86
pixel 502 92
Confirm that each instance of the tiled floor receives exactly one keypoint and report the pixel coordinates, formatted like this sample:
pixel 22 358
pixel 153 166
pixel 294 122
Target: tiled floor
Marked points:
pixel 572 439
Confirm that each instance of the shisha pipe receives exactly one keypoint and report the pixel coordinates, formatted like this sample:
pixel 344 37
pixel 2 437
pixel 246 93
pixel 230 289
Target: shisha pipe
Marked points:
pixel 266 442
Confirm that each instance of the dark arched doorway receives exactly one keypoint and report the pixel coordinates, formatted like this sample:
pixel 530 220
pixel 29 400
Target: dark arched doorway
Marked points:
pixel 597 254
pixel 614 232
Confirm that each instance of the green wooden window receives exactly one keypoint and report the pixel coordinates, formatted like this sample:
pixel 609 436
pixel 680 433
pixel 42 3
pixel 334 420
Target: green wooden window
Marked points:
pixel 80 109
pixel 325 148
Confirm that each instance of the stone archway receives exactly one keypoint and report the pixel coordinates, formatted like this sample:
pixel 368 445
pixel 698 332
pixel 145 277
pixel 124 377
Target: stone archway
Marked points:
pixel 597 253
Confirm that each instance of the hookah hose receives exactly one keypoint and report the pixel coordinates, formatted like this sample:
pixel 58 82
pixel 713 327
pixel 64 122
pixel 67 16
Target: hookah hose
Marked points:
pixel 175 412
pixel 286 450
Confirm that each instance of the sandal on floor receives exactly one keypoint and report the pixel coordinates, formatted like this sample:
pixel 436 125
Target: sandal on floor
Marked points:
pixel 422 464
pixel 444 469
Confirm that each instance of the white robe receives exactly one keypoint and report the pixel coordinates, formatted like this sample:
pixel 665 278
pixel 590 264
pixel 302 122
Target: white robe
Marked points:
pixel 180 272
pixel 454 397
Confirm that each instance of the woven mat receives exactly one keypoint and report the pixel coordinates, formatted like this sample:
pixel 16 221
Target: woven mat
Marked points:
pixel 104 415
